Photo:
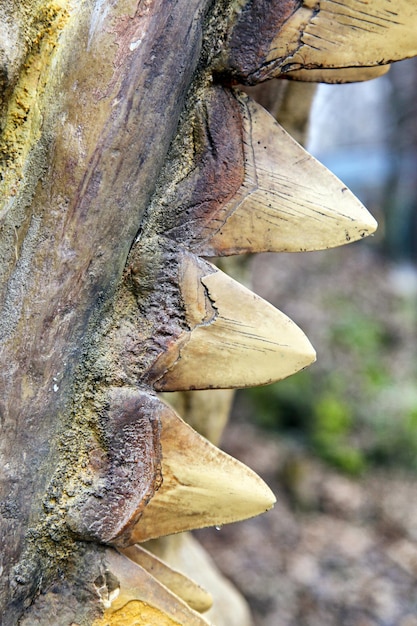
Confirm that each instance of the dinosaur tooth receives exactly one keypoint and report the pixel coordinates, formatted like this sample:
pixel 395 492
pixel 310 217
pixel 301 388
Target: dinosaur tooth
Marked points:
pixel 346 34
pixel 192 593
pixel 338 75
pixel 202 486
pixel 311 35
pixel 140 598
pixel 197 328
pixel 288 202
pixel 185 553
pixel 260 191
pixel 234 337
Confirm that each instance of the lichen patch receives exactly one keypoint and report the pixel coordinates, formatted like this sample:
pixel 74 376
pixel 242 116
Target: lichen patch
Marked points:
pixel 23 118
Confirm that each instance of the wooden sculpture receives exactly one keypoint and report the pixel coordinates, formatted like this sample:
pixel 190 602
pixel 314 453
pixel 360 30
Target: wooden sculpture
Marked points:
pixel 127 155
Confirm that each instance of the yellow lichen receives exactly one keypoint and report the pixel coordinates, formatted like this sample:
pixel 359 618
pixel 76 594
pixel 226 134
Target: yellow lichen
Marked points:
pixel 135 613
pixel 23 119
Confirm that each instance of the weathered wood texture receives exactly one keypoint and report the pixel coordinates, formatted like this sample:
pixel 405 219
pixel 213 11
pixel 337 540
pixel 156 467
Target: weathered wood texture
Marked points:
pixel 109 113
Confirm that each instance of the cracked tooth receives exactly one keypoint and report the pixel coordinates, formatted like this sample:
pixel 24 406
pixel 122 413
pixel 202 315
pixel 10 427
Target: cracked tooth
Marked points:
pixel 288 202
pixel 195 596
pixel 140 599
pixel 236 339
pixel 344 34
pixel 253 188
pixel 202 486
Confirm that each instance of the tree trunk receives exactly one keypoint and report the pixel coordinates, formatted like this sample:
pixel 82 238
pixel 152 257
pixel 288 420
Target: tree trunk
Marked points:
pixel 75 189
pixel 112 113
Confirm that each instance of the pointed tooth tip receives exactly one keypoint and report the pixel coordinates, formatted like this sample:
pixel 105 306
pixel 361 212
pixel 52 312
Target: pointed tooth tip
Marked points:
pixel 365 226
pixel 300 361
pixel 371 225
pixel 202 486
pixel 261 498
pixel 311 355
pixel 270 499
pixel 316 211
pixel 248 343
pixel 365 223
pixel 303 355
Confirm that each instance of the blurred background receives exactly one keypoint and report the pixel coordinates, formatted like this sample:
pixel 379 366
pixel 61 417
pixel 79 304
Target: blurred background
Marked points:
pixel 338 442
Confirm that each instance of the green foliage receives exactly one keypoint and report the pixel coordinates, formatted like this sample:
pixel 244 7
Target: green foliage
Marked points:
pixel 352 409
pixel 285 405
pixel 333 424
pixel 356 332
pixel 363 338
pixel 395 440
pixel 318 418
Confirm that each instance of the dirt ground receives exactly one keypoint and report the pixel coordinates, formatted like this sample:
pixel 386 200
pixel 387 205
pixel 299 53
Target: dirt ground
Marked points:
pixel 335 550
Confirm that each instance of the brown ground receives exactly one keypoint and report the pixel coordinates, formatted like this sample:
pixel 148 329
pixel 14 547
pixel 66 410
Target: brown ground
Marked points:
pixel 335 551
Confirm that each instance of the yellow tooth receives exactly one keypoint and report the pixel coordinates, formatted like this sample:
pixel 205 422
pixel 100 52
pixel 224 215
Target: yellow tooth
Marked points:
pixel 183 552
pixel 236 339
pixel 343 75
pixel 347 33
pixel 138 598
pixel 195 596
pixel 202 486
pixel 289 202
